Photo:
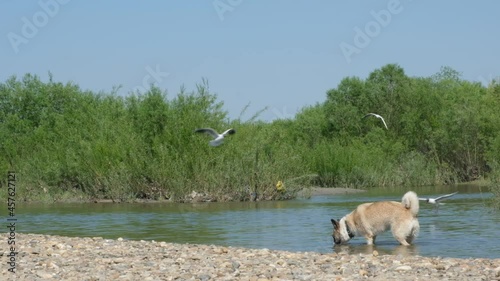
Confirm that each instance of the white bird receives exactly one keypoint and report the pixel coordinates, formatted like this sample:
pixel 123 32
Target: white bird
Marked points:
pixel 218 138
pixel 378 116
pixel 436 200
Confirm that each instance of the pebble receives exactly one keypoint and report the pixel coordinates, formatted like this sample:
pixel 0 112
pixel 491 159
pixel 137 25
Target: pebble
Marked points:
pixel 404 267
pixel 45 257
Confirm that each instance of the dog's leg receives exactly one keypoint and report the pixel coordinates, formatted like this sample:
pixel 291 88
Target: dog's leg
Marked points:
pixel 410 238
pixel 404 240
pixel 370 239
pixel 403 234
pixel 414 232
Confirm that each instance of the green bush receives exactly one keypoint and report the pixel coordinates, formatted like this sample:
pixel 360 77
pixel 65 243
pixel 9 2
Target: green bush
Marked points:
pixel 68 144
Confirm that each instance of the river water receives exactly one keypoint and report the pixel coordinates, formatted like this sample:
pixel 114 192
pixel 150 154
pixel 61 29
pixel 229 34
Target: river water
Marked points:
pixel 464 227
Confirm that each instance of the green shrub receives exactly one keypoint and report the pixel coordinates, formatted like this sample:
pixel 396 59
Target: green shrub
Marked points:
pixel 65 143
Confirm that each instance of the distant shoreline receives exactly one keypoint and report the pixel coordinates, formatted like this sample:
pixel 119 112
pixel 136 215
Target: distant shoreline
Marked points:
pixel 327 191
pixel 319 191
pixel 304 193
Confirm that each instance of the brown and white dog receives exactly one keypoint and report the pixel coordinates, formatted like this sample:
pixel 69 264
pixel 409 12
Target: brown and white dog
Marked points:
pixel 370 219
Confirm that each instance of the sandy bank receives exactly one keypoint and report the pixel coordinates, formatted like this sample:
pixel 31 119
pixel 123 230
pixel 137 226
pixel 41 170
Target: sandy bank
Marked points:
pixel 43 257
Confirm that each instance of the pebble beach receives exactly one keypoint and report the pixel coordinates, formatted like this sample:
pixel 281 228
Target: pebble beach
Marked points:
pixel 47 257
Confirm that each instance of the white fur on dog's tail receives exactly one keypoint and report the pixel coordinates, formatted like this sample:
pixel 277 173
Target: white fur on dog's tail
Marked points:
pixel 410 201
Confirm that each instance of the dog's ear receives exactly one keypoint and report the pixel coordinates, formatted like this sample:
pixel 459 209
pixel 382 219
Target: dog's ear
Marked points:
pixel 335 223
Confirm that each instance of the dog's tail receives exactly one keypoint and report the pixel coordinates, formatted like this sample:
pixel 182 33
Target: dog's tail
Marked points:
pixel 410 201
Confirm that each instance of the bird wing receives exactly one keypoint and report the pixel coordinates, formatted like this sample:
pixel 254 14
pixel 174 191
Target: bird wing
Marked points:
pixel 446 196
pixel 229 132
pixel 209 131
pixel 383 121
pixel 422 199
pixel 378 116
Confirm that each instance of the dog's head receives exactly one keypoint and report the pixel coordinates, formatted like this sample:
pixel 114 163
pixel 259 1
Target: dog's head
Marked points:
pixel 341 232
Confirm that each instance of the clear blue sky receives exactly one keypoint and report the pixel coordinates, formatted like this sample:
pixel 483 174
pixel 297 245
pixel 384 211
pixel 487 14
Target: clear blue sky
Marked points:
pixel 280 54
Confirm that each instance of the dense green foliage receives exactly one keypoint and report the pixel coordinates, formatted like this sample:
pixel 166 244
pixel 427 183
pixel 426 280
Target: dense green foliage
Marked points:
pixel 66 143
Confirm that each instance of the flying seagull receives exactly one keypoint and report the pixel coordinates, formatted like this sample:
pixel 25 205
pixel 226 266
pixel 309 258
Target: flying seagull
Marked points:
pixel 436 200
pixel 378 116
pixel 218 138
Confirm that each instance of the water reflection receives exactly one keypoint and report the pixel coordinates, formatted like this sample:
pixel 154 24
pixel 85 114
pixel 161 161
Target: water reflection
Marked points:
pixel 464 227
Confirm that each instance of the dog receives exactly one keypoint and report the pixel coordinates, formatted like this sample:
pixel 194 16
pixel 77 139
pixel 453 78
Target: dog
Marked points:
pixel 370 219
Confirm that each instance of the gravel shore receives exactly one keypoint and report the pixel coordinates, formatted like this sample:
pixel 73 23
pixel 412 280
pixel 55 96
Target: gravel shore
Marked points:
pixel 45 257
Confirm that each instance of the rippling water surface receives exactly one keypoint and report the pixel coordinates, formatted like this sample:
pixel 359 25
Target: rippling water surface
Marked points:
pixel 464 227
